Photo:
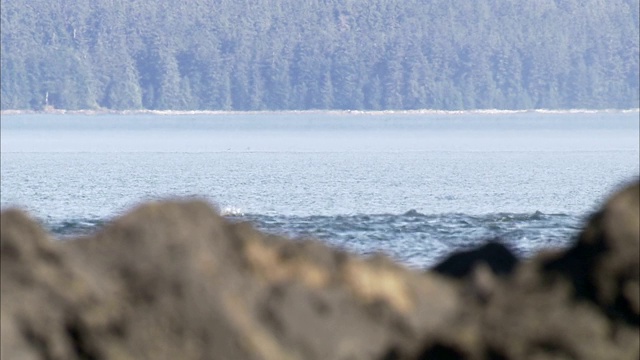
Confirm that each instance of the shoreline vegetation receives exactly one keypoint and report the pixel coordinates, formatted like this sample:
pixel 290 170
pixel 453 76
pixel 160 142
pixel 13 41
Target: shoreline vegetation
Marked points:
pixel 363 55
pixel 52 111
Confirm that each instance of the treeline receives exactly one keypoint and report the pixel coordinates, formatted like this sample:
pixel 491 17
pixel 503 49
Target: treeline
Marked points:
pixel 319 54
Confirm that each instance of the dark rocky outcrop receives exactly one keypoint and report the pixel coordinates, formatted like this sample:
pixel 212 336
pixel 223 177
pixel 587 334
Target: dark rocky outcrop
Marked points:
pixel 603 265
pixel 175 280
pixel 494 255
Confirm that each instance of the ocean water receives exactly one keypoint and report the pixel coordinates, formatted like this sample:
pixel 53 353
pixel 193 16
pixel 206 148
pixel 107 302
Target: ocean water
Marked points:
pixel 413 185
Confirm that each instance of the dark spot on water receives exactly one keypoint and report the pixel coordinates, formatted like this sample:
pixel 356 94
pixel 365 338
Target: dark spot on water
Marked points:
pixel 412 212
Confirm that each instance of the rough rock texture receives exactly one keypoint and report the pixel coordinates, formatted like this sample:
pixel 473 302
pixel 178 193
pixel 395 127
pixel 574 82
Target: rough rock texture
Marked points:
pixel 176 281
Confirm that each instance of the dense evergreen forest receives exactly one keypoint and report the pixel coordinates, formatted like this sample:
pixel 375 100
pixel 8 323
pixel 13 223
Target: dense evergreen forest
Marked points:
pixel 319 54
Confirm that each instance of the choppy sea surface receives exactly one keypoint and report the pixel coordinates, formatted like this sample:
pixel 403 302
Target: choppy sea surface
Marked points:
pixel 413 185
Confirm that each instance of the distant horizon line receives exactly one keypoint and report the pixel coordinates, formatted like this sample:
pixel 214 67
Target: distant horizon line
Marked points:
pixel 312 111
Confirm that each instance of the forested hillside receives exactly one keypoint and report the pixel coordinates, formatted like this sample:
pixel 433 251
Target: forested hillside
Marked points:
pixel 319 54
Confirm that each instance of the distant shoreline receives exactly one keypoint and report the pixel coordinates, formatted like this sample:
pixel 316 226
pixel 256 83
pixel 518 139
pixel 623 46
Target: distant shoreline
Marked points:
pixel 336 112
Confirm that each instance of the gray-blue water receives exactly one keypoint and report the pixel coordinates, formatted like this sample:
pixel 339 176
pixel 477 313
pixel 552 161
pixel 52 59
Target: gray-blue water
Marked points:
pixel 413 185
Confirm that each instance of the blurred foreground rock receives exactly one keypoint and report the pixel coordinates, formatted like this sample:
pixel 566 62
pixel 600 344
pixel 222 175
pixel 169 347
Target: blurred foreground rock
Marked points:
pixel 176 281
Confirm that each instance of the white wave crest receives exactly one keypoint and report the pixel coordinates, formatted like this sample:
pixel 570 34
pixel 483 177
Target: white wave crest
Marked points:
pixel 231 211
